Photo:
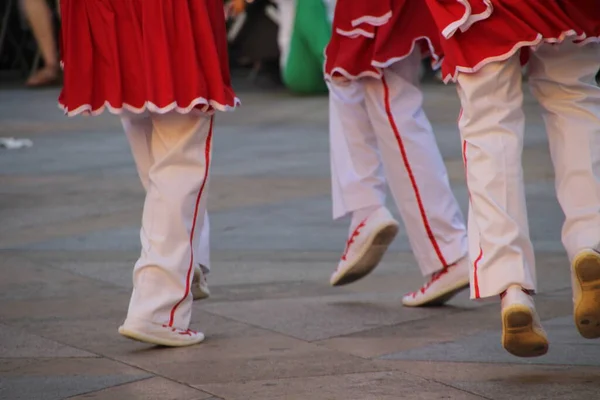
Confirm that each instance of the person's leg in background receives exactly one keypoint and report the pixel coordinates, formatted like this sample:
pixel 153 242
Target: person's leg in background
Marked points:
pixel 200 289
pixel 39 16
pixel 138 130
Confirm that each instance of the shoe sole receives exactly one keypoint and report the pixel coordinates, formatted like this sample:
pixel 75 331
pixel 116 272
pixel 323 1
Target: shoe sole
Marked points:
pixel 441 298
pixel 146 338
pixel 586 267
pixel 519 336
pixel 370 258
pixel 199 294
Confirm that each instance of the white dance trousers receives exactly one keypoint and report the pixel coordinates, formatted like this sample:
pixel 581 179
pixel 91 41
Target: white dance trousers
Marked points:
pixel 172 152
pixel 492 127
pixel 378 130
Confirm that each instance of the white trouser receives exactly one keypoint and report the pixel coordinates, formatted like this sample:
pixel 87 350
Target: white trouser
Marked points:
pixel 139 133
pixel 492 127
pixel 377 125
pixel 172 154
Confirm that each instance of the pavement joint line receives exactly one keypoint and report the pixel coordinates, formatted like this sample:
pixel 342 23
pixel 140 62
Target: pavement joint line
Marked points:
pixel 325 375
pixel 110 387
pixel 53 266
pixel 459 389
pixel 107 357
pixel 531 363
pixel 153 375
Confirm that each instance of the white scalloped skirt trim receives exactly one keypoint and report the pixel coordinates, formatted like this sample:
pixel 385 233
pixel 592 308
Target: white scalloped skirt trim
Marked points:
pixel 372 20
pixel 364 20
pixel 379 65
pixel 468 18
pixel 580 40
pixel 354 33
pixel 208 107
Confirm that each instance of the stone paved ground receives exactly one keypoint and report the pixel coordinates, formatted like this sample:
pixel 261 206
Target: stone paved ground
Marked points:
pixel 69 213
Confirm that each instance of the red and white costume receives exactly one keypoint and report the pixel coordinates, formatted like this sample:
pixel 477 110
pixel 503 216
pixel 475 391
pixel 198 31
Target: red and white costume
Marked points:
pixel 163 66
pixel 377 124
pixel 485 44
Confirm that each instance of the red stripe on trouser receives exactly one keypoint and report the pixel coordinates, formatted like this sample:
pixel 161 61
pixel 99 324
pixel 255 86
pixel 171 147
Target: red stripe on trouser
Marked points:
pixel 191 267
pixel 390 116
pixel 480 256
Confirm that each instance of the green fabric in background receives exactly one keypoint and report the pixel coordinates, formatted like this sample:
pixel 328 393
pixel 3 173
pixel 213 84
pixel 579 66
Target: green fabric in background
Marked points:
pixel 303 71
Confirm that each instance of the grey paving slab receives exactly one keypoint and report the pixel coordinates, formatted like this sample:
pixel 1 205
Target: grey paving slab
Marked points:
pixel 302 273
pixel 367 386
pixel 16 343
pixel 10 364
pixel 290 225
pixel 22 216
pixel 147 389
pixel 35 287
pixel 118 273
pixel 322 317
pixel 285 226
pixel 47 157
pixel 55 388
pixel 37 281
pixel 286 151
pixel 49 379
pixel 109 239
pixel 95 332
pixel 245 358
pixel 102 303
pixel 566 348
pixel 462 318
pixel 512 381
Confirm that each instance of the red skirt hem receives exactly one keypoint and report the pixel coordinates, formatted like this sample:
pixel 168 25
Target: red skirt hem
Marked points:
pixel 144 55
pixel 480 32
pixel 368 37
pixel 450 73
pixel 374 70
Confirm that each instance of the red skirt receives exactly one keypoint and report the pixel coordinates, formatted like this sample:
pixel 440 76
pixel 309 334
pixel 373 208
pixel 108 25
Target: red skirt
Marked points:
pixel 371 35
pixel 138 55
pixel 478 32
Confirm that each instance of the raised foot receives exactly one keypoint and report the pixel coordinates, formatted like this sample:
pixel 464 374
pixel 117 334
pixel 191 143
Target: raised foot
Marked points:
pixel 520 335
pixel 586 293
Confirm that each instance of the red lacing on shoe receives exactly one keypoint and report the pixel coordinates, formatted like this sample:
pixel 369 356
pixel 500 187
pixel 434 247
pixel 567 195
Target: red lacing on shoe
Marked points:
pixel 528 292
pixel 434 277
pixel 187 332
pixel 350 241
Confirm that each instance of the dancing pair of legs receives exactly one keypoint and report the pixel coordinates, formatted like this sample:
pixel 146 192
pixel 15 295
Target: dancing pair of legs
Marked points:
pixel 378 129
pixel 492 124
